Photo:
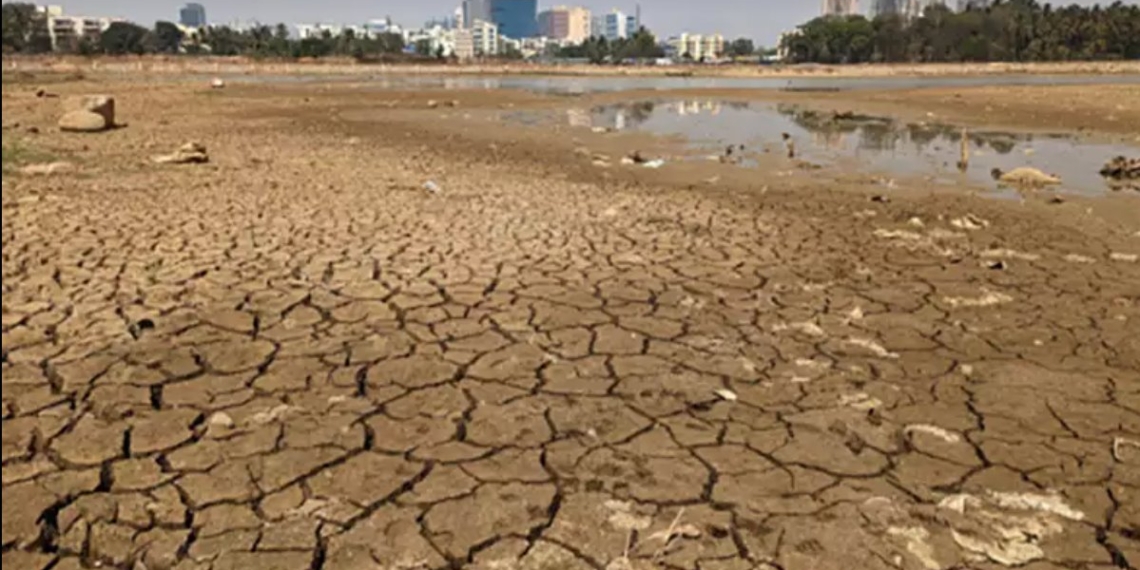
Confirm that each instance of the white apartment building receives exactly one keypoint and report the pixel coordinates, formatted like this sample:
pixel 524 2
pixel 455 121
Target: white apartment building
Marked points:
pixel 614 26
pixel 65 30
pixel 480 39
pixel 697 46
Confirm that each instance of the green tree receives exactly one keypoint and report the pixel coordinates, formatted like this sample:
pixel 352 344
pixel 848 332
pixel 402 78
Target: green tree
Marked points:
pixel 167 37
pixel 122 38
pixel 742 47
pixel 1008 30
pixel 24 29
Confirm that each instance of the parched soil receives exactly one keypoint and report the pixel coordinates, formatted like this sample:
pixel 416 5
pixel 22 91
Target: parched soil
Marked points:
pixel 296 357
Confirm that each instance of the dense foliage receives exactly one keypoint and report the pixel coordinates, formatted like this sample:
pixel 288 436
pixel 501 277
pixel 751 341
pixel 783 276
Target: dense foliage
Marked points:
pixel 641 45
pixel 1009 30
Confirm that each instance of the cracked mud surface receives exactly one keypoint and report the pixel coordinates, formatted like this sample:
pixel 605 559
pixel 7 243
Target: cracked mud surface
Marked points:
pixel 294 358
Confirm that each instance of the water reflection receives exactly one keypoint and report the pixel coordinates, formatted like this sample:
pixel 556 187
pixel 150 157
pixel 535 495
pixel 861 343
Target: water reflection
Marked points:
pixel 927 149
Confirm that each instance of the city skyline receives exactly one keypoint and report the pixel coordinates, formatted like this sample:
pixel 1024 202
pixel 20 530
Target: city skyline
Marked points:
pixel 761 20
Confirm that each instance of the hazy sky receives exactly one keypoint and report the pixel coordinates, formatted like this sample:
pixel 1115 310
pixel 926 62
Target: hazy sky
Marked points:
pixel 762 20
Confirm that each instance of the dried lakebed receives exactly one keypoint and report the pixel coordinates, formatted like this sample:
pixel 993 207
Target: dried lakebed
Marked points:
pixel 294 357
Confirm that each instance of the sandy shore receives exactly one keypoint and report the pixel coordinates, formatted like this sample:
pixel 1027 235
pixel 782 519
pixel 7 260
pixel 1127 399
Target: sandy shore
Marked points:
pixel 335 66
pixel 297 357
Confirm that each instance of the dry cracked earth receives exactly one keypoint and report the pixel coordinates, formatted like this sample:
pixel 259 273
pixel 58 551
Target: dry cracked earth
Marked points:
pixel 293 358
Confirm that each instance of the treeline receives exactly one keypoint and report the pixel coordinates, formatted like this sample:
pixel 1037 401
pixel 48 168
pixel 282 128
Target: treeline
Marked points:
pixel 641 45
pixel 26 31
pixel 1009 30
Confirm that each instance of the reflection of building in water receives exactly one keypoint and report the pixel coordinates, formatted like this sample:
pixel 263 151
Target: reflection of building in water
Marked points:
pixel 833 140
pixel 695 107
pixel 579 118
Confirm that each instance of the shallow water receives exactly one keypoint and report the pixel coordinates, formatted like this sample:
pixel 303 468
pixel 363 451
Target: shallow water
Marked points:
pixel 572 85
pixel 869 144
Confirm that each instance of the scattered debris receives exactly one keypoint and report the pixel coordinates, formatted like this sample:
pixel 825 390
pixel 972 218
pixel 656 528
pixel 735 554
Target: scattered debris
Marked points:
pixel 623 518
pixel 807 327
pixel 860 401
pixel 599 130
pixel 1078 258
pixel 879 198
pixel 221 419
pixel 636 158
pixel 1121 168
pixel 970 222
pixel 46 168
pixel 1007 528
pixel 453 103
pixel 432 187
pixel 1118 444
pixel 726 395
pixel 1009 254
pixel 189 153
pixel 998 265
pixel 655 163
pixel 1026 176
pixel 875 348
pixel 944 435
pixel 1125 257
pixel 272 415
pixel 45 94
pixel 917 544
pixel 218 83
pixel 988 299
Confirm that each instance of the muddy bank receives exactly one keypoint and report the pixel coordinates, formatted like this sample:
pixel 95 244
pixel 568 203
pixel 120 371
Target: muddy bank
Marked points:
pixel 336 66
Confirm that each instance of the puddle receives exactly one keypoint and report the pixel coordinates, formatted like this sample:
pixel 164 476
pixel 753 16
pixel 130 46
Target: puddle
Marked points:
pixel 868 144
pixel 576 85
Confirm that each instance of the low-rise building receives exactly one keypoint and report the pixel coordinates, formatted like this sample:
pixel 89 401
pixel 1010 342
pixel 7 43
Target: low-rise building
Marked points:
pixel 66 31
pixel 696 47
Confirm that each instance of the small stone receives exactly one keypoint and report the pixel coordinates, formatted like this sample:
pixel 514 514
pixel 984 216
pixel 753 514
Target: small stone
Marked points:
pixel 103 105
pixel 83 122
pixel 222 419
pixel 217 83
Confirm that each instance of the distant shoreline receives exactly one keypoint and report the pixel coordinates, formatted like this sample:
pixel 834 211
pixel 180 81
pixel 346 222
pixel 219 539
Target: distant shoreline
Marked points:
pixel 342 66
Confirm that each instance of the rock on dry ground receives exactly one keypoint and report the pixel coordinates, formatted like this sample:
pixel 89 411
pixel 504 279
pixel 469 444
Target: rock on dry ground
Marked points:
pixel 295 358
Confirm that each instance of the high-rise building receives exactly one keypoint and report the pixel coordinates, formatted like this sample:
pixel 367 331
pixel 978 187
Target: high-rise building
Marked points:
pixel 886 7
pixel 614 25
pixel 840 7
pixel 563 23
pixel 475 10
pixel 515 18
pixel 192 16
pixel 964 5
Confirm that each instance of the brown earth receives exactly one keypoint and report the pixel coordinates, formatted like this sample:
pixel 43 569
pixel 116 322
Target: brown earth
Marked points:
pixel 295 357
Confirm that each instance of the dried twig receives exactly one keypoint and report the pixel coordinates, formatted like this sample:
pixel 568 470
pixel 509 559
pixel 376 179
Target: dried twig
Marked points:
pixel 669 534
